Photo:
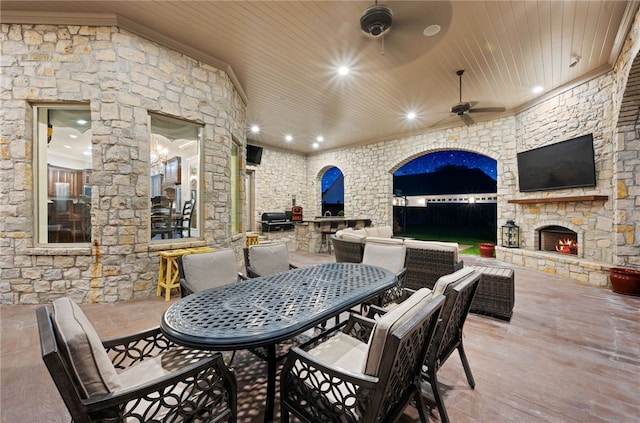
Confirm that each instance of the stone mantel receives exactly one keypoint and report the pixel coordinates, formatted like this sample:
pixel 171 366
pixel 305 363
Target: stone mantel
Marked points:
pixel 575 198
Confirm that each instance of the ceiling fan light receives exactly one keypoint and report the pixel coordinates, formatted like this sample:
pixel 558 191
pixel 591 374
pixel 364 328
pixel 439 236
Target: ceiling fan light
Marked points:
pixel 376 20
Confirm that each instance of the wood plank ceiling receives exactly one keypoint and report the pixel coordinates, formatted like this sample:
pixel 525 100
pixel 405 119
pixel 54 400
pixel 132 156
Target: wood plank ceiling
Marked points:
pixel 285 55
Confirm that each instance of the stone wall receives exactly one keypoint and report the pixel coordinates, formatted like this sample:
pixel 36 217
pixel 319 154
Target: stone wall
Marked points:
pixel 122 77
pixel 368 170
pixel 280 176
pixel 607 229
pixel 627 152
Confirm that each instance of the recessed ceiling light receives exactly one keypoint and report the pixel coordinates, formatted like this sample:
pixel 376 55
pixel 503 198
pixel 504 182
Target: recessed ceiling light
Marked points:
pixel 74 136
pixel 67 146
pixel 319 138
pixel 255 129
pixel 431 30
pixel 288 138
pixel 537 89
pixel 315 145
pixel 411 115
pixel 343 70
pixel 81 122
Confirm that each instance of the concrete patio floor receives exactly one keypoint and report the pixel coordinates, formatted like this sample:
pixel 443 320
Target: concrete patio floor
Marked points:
pixel 569 354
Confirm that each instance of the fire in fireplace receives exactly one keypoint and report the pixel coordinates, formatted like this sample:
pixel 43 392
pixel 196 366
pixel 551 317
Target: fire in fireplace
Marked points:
pixel 558 239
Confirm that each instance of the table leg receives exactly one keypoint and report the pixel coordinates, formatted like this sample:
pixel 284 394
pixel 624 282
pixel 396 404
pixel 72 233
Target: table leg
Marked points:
pixel 271 383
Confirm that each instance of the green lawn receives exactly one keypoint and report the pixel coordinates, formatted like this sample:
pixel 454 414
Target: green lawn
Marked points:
pixel 463 236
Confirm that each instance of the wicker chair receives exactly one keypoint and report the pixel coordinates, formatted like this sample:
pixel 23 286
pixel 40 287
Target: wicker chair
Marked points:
pixel 459 289
pixel 157 380
pixel 347 251
pixel 426 265
pixel 348 378
pixel 266 259
pixel 206 270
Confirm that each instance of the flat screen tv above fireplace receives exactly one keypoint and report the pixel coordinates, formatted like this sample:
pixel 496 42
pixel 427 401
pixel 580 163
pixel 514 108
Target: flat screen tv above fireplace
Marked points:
pixel 566 164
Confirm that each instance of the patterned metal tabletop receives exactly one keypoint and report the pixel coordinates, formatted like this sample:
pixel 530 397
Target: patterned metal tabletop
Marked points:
pixel 266 310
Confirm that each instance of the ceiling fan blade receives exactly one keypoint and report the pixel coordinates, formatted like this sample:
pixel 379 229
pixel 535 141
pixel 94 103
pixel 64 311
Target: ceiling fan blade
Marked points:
pixel 487 110
pixel 467 119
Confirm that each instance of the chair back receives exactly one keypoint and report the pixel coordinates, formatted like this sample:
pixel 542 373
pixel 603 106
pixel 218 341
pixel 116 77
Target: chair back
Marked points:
pixel 347 251
pixel 459 295
pixel 161 220
pixel 402 355
pixel 202 271
pixel 429 260
pixel 388 256
pixel 186 218
pixel 74 356
pixel 266 259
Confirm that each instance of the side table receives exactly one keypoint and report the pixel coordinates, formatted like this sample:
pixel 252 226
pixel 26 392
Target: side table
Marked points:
pixel 495 295
pixel 252 239
pixel 168 273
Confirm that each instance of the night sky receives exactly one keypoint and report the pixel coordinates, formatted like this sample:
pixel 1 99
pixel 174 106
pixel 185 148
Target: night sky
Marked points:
pixel 429 163
pixel 432 161
pixel 330 177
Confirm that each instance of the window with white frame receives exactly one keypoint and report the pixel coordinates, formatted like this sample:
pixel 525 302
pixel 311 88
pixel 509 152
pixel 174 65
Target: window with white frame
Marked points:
pixel 236 188
pixel 64 164
pixel 175 175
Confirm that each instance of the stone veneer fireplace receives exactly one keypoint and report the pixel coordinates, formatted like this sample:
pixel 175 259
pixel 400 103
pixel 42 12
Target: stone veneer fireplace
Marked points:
pixel 567 236
pixel 558 239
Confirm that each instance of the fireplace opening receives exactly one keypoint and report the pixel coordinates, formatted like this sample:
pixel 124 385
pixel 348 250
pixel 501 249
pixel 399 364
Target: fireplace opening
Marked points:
pixel 558 239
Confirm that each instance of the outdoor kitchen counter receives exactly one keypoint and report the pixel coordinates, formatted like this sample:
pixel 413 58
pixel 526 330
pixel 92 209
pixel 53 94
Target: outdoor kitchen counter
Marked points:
pixel 309 233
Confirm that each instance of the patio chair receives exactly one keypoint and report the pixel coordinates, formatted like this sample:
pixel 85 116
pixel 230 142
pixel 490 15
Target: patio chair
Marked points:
pixel 348 377
pixel 266 259
pixel 390 257
pixel 459 289
pixel 428 260
pixel 347 250
pixel 136 378
pixel 206 270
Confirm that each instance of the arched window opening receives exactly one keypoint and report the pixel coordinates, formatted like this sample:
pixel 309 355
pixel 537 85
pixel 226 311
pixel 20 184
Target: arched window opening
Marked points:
pixel 333 192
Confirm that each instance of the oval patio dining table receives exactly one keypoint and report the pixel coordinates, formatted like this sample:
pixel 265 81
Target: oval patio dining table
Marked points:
pixel 264 311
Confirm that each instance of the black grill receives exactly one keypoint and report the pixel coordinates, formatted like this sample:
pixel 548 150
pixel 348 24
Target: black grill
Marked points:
pixel 276 221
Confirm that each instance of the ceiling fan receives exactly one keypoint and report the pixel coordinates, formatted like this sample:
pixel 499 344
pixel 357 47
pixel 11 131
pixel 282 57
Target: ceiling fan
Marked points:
pixel 376 19
pixel 402 31
pixel 464 107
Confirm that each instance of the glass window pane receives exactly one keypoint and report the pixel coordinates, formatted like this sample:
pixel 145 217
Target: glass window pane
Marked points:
pixel 175 172
pixel 64 168
pixel 236 178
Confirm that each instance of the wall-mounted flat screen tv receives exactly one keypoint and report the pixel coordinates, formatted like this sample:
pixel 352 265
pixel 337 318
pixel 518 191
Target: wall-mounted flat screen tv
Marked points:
pixel 566 164
pixel 254 154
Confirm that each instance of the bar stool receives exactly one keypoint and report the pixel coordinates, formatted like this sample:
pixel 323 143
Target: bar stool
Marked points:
pixel 327 229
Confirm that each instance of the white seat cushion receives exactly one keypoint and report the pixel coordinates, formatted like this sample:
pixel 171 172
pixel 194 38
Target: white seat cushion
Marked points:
pixel 372 231
pixel 388 323
pixel 385 231
pixel 81 343
pixel 444 281
pixel 380 240
pixel 434 245
pixel 354 236
pixel 342 350
pixel 267 259
pixel 390 257
pixel 341 232
pixel 210 269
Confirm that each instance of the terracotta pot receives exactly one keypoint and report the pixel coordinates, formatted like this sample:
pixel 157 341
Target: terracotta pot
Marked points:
pixel 625 281
pixel 487 249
